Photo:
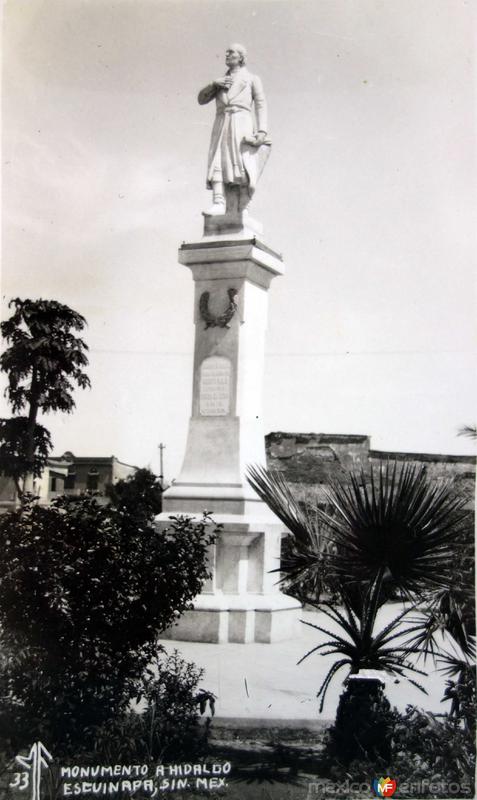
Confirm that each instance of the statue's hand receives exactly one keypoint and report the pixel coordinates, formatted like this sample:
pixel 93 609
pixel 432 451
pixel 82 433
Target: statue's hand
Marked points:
pixel 260 138
pixel 223 83
pixel 256 140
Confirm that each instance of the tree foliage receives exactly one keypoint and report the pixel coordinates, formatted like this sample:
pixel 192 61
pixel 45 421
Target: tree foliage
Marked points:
pixel 140 493
pixel 167 729
pixel 437 745
pixel 14 444
pixel 84 591
pixel 44 361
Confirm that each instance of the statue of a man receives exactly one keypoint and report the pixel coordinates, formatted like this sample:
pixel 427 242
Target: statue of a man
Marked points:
pixel 233 165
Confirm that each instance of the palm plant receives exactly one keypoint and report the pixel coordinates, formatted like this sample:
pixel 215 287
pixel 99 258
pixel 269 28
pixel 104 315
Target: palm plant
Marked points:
pixel 389 533
pixel 360 646
pixel 302 568
pixel 397 524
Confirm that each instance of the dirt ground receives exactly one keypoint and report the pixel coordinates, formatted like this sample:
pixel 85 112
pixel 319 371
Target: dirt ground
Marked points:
pixel 270 763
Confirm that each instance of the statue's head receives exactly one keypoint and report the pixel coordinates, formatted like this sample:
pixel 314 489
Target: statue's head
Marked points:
pixel 236 55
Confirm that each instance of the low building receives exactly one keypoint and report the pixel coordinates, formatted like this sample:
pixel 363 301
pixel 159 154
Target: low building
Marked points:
pixel 74 475
pixel 71 475
pixel 310 461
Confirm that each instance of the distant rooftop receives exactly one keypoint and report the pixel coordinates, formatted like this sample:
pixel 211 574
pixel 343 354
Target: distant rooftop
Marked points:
pixel 68 457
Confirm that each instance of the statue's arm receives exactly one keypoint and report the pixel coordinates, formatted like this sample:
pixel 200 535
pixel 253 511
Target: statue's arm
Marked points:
pixel 207 93
pixel 260 105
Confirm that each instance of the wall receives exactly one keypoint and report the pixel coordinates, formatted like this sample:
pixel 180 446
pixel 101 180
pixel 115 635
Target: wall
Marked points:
pixel 310 461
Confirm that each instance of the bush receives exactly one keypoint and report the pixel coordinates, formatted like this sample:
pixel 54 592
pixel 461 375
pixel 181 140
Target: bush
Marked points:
pixel 84 591
pixel 462 693
pixel 428 754
pixel 441 749
pixel 166 728
pixel 140 493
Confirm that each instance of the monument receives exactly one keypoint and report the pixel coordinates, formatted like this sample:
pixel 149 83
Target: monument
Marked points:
pixel 232 269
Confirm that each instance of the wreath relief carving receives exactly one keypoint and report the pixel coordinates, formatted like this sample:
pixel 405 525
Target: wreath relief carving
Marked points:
pixel 217 320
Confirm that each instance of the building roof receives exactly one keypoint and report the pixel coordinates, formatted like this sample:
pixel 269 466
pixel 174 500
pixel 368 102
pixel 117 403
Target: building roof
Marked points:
pixel 68 457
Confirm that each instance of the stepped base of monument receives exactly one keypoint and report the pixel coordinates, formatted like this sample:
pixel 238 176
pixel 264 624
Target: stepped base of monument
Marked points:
pixel 240 602
pixel 241 619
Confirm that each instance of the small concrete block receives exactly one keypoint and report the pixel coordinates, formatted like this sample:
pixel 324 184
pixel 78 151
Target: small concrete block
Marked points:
pixel 276 626
pixel 198 626
pixel 237 626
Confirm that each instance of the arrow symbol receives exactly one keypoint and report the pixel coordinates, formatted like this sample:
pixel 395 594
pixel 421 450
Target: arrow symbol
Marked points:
pixel 37 758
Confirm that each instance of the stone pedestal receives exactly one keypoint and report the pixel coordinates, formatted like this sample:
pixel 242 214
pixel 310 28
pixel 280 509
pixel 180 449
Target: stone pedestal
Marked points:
pixel 232 269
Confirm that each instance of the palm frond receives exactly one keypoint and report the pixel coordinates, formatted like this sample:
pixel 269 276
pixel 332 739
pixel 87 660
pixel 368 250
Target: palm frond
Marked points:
pixel 397 521
pixel 445 615
pixel 361 647
pixel 274 490
pixel 390 530
pixel 328 678
pixel 393 520
pixel 468 430
pixel 335 640
pixel 303 562
pixel 455 664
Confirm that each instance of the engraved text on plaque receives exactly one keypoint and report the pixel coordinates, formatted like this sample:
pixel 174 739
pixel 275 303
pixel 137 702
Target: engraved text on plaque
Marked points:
pixel 214 390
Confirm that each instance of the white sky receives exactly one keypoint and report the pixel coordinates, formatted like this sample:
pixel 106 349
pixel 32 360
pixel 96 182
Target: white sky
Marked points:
pixel 369 193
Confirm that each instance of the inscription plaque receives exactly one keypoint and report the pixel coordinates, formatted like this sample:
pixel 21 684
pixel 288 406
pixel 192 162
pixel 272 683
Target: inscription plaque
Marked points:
pixel 214 388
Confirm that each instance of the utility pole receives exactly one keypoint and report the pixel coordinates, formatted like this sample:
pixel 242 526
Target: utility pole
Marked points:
pixel 162 447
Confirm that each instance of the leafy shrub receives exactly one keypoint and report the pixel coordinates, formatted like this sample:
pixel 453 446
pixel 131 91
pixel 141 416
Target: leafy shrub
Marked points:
pixel 84 591
pixel 461 691
pixel 164 728
pixel 166 725
pixel 140 493
pixel 428 754
pixel 424 745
